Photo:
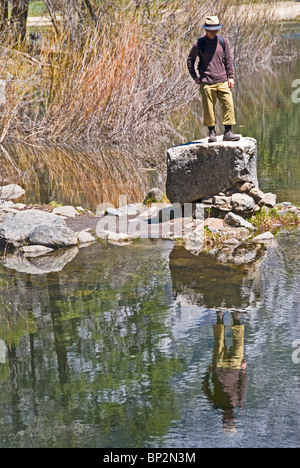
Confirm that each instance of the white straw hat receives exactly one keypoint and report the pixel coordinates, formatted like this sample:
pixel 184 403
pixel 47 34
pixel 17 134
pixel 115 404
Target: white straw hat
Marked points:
pixel 212 23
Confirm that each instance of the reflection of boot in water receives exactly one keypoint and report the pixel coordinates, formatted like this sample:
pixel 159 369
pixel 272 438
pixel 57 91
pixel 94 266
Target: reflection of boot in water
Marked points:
pixel 220 317
pixel 236 318
pixel 229 421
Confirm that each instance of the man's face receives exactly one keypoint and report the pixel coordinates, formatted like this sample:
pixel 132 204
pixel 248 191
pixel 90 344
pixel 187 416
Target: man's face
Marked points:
pixel 211 34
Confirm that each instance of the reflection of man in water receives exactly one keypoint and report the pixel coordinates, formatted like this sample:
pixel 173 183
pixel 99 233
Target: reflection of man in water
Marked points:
pixel 228 372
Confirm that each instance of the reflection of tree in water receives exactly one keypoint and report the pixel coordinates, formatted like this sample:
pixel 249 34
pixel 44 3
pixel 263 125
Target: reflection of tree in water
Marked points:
pixel 88 349
pixel 81 176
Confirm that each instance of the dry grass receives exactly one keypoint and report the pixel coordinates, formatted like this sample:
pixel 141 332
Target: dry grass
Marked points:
pixel 271 219
pixel 121 79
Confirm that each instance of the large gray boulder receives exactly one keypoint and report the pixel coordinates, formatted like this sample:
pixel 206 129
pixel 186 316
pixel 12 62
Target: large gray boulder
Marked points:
pixel 35 227
pixel 52 236
pixel 199 169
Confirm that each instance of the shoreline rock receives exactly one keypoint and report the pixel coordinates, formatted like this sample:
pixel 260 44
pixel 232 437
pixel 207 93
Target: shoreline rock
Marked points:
pixel 11 192
pixel 41 264
pixel 35 227
pixel 35 232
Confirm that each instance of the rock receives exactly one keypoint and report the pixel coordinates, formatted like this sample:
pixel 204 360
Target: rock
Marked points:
pixel 102 207
pixel 198 211
pixel 20 206
pixel 115 237
pixel 11 192
pixel 214 230
pixel 35 250
pixel 242 204
pixel 9 210
pixel 15 229
pixel 194 242
pixel 215 223
pixel 52 236
pixel 256 194
pixel 237 255
pixel 130 210
pixel 269 199
pixel 9 206
pixel 113 212
pixel 239 233
pixel 6 204
pixel 232 241
pixel 294 210
pixel 155 195
pixel 200 170
pixel 282 212
pixel 3 216
pixel 284 205
pixel 52 262
pixel 68 211
pixel 221 201
pixel 207 200
pixel 229 191
pixel 103 234
pixel 235 220
pixel 266 236
pixel 244 187
pixel 85 237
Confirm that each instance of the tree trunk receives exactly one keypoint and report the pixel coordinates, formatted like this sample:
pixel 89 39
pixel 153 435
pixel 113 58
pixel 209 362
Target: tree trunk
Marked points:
pixel 18 18
pixel 3 13
pixel 91 11
pixel 50 8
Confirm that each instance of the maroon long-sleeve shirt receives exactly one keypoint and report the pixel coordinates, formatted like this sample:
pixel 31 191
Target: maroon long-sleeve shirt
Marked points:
pixel 212 67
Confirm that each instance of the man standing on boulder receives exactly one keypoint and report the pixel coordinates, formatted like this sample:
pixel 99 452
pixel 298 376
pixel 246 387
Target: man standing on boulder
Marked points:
pixel 216 78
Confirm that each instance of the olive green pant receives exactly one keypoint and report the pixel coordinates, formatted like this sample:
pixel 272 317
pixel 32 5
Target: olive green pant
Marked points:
pixel 210 94
pixel 232 357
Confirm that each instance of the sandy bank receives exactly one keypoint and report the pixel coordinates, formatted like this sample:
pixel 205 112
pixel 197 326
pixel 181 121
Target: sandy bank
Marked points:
pixel 288 11
pixel 283 11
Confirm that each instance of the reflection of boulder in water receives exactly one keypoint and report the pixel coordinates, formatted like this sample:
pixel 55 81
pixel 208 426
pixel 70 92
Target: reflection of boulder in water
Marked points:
pixel 52 262
pixel 204 281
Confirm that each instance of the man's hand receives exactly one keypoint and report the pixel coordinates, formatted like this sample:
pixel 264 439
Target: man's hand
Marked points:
pixel 231 83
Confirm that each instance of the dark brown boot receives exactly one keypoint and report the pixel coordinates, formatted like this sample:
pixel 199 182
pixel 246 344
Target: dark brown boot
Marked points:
pixel 230 136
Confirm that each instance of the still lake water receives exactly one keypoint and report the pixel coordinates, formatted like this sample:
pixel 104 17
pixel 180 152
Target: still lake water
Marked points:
pixel 121 346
